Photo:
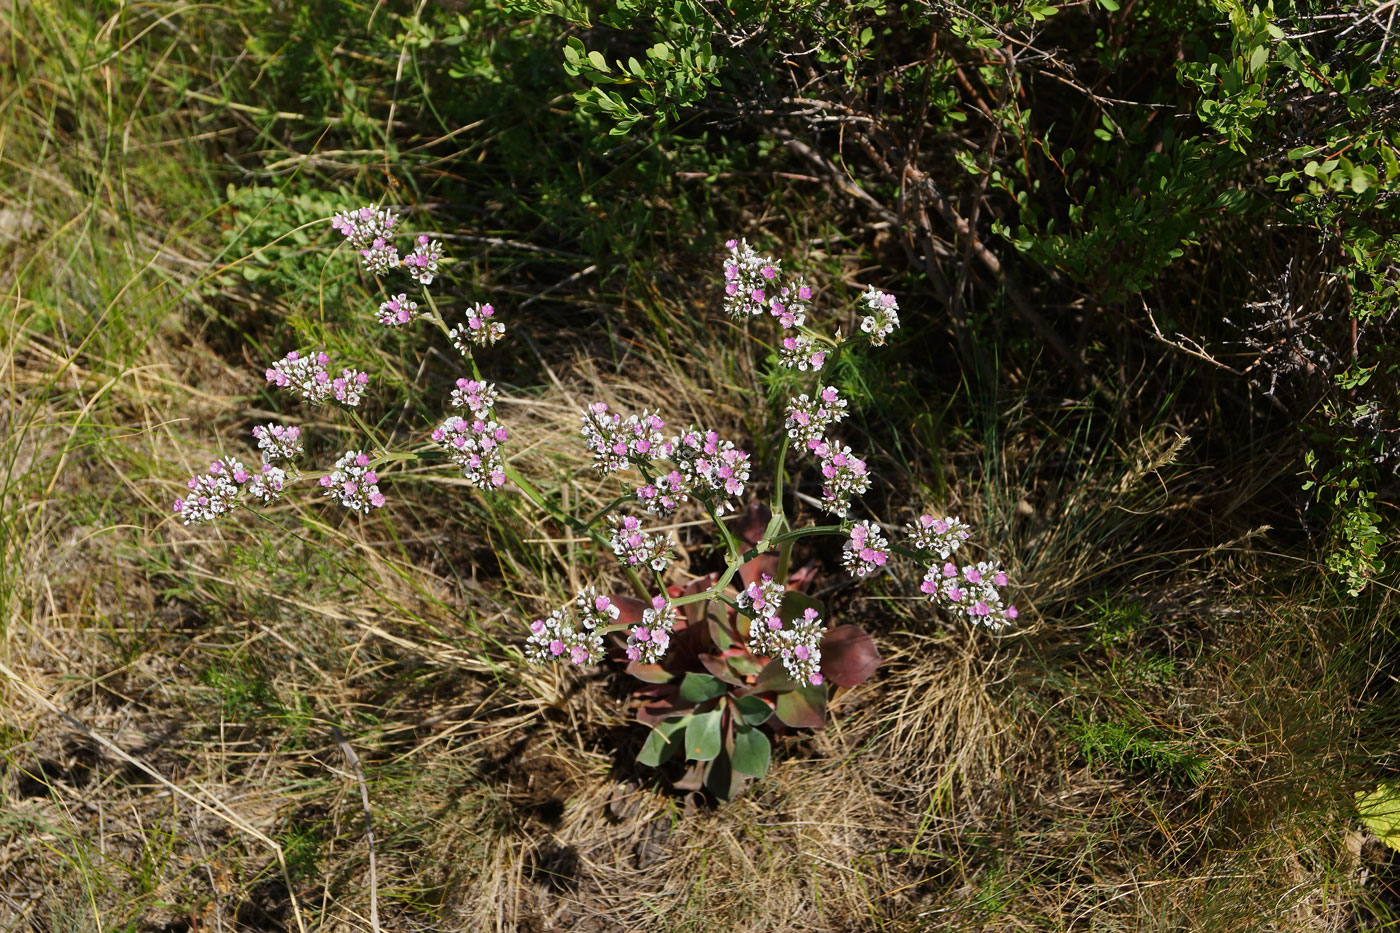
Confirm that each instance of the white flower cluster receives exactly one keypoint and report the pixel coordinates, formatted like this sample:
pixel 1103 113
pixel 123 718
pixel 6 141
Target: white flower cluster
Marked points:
pixel 309 376
pixel 844 476
pixel 648 640
pixel 748 277
pixel 278 441
pixel 354 483
pixel 398 311
pixel 476 396
pixel 475 446
pixel 796 644
pixel 615 441
pixel 761 600
pixel 973 590
pixel 882 315
pixel 572 632
pixel 940 536
pixel 808 418
pixel 866 551
pixel 636 547
pixel 423 262
pixel 480 329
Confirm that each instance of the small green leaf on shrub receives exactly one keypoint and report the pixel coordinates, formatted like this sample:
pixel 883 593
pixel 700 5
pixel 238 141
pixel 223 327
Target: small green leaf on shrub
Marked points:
pixel 662 742
pixel 753 710
pixel 697 688
pixel 1380 813
pixel 702 736
pixel 751 751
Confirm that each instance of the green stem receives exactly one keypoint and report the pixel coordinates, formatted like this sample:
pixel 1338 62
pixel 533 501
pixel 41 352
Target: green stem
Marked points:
pixel 436 318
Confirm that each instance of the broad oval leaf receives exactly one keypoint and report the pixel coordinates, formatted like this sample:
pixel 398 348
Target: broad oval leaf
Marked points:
pixel 649 673
pixel 725 781
pixel 697 688
pixel 774 678
pixel 703 739
pixel 751 752
pixel 803 708
pixel 849 655
pixel 662 743
pixel 753 710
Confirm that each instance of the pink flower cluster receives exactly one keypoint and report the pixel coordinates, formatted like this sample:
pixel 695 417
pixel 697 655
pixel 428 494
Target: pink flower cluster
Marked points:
pixel 796 644
pixel 882 315
pixel 636 547
pixel 800 352
pixel 648 641
pixel 940 536
pixel 616 442
pixel 701 461
pixel 309 376
pixel 844 476
pixel 762 600
pixel 789 306
pixel 213 494
pixel 369 230
pixel 973 590
pixel 749 279
pixel 475 446
pixel 422 263
pixel 480 329
pixel 219 491
pixel 557 637
pixel 663 495
pixel 398 311
pixel 866 551
pixel 574 632
pixel 809 418
pixel 354 483
pixel 277 441
pixel 710 463
pixel 476 396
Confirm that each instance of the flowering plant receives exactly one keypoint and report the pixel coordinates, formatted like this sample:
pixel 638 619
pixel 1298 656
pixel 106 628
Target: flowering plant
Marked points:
pixel 720 657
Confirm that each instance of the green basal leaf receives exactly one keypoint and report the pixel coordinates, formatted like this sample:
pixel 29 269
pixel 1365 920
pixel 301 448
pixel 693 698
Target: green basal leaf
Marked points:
pixel 662 743
pixel 703 738
pixel 753 710
pixel 697 688
pixel 751 752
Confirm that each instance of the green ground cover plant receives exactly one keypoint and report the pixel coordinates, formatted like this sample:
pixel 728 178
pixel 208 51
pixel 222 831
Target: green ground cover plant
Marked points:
pixel 1144 257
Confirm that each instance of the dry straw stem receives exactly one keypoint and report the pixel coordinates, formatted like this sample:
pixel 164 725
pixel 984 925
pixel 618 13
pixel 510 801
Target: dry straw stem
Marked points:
pixel 203 800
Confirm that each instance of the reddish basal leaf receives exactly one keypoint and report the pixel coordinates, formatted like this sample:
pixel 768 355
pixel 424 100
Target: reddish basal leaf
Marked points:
pixel 630 609
pixel 802 580
pixel 849 655
pixel 754 570
pixel 751 526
